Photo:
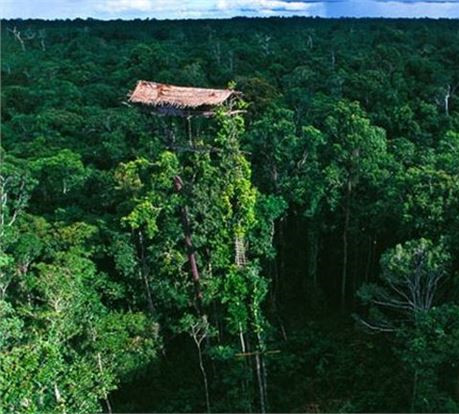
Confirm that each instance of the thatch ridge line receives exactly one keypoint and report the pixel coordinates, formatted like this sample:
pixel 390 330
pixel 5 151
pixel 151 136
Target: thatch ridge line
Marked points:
pixel 181 97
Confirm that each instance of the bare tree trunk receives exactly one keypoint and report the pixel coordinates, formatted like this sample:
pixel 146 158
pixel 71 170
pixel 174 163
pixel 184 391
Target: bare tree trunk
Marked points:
pixel 245 383
pixel 278 268
pixel 191 254
pixel 273 292
pixel 151 307
pixel 281 256
pixel 357 263
pixel 415 390
pixel 189 131
pixel 249 363
pixel 347 215
pixel 106 399
pixel 369 258
pixel 260 383
pixel 199 332
pixel 144 274
pixel 204 377
pixel 457 387
pixel 273 299
pixel 17 35
pixel 447 97
pixel 261 376
pixel 265 381
pixel 313 252
pixel 59 400
pixel 189 246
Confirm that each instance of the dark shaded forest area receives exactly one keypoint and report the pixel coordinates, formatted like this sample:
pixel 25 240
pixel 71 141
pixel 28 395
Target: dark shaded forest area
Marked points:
pixel 324 220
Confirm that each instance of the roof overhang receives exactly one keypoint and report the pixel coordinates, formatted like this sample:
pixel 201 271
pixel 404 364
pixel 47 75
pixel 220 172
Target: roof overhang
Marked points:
pixel 162 95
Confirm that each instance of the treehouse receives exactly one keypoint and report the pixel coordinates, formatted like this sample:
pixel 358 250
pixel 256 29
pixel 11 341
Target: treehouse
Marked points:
pixel 182 101
pixel 187 102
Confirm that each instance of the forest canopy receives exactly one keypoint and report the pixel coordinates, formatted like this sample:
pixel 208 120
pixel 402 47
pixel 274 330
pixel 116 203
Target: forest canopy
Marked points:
pixel 300 255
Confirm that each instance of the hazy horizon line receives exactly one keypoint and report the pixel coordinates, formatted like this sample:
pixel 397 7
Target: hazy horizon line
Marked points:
pixel 228 18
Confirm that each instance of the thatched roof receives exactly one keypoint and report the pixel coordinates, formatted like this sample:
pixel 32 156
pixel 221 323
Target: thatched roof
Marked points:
pixel 163 95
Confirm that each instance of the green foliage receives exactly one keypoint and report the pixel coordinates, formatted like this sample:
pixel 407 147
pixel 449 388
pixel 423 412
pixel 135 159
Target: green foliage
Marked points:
pixel 356 150
pixel 411 276
pixel 345 148
pixel 430 352
pixel 406 304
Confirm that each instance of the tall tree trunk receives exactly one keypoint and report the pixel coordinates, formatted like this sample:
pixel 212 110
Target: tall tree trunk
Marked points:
pixel 249 363
pixel 264 374
pixel 278 268
pixel 144 274
pixel 281 257
pixel 190 249
pixel 446 101
pixel 59 400
pixel 261 391
pixel 312 252
pixel 204 377
pixel 245 382
pixel 415 391
pixel 189 131
pixel 369 258
pixel 347 214
pixel 106 399
pixel 191 254
pixel 356 264
pixel 457 387
pixel 273 298
pixel 261 375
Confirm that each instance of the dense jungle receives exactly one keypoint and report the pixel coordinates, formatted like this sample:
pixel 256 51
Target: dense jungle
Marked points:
pixel 299 255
